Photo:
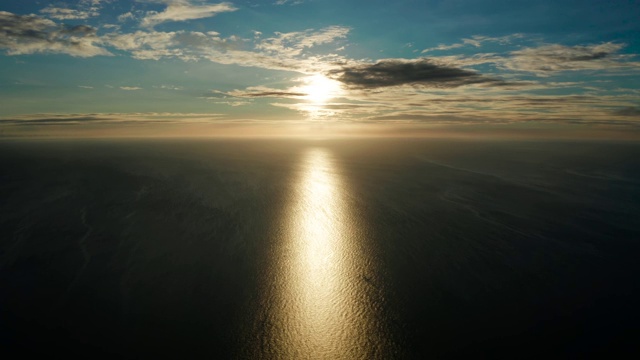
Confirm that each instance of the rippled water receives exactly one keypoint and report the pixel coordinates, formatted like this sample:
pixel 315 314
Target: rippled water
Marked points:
pixel 369 249
pixel 319 299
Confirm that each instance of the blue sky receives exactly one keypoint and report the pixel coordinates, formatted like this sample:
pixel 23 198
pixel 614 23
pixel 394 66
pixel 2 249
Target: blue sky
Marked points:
pixel 190 67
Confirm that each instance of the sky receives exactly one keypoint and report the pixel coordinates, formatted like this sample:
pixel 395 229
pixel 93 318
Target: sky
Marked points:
pixel 308 67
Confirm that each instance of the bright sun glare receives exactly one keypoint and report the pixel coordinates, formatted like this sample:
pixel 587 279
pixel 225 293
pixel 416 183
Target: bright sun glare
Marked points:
pixel 320 88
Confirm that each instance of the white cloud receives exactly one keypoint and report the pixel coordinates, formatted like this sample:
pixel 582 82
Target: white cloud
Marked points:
pixel 130 88
pixel 29 34
pixel 181 10
pixel 126 16
pixel 293 43
pixel 154 45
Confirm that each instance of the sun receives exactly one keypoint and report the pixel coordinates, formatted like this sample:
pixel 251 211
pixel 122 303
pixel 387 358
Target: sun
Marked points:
pixel 319 88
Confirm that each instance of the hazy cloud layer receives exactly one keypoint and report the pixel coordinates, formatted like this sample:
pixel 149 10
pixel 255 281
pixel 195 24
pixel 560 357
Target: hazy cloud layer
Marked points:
pixel 28 34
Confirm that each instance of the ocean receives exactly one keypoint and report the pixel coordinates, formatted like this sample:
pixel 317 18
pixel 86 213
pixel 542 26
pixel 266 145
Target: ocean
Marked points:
pixel 319 249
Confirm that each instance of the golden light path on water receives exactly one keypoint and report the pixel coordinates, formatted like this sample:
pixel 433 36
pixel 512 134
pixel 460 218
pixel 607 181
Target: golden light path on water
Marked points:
pixel 322 302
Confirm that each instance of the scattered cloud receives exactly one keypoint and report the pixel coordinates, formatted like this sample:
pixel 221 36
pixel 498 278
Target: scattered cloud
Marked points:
pixel 181 10
pixel 475 88
pixel 29 34
pixel 83 9
pixel 67 14
pixel 285 51
pixel 111 26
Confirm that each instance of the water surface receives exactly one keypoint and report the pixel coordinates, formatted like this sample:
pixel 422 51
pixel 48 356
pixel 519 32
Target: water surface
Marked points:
pixel 319 249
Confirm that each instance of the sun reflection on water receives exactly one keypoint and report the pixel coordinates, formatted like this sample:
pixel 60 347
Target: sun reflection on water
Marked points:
pixel 320 296
pixel 322 305
pixel 318 249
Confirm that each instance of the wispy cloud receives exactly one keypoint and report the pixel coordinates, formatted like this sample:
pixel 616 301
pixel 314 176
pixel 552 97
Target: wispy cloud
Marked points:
pixel 28 34
pixel 555 57
pixel 263 91
pixel 290 2
pixel 476 41
pixel 181 10
pixel 293 43
pixel 130 88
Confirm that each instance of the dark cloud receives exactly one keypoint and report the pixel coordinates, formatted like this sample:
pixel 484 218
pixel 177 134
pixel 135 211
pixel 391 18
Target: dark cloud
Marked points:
pixel 260 91
pixel 28 34
pixel 51 121
pixel 396 72
pixel 82 30
pixel 105 118
pixel 628 111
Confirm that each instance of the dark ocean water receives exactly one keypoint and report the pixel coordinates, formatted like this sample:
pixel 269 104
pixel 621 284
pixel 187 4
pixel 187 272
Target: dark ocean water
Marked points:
pixel 334 249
